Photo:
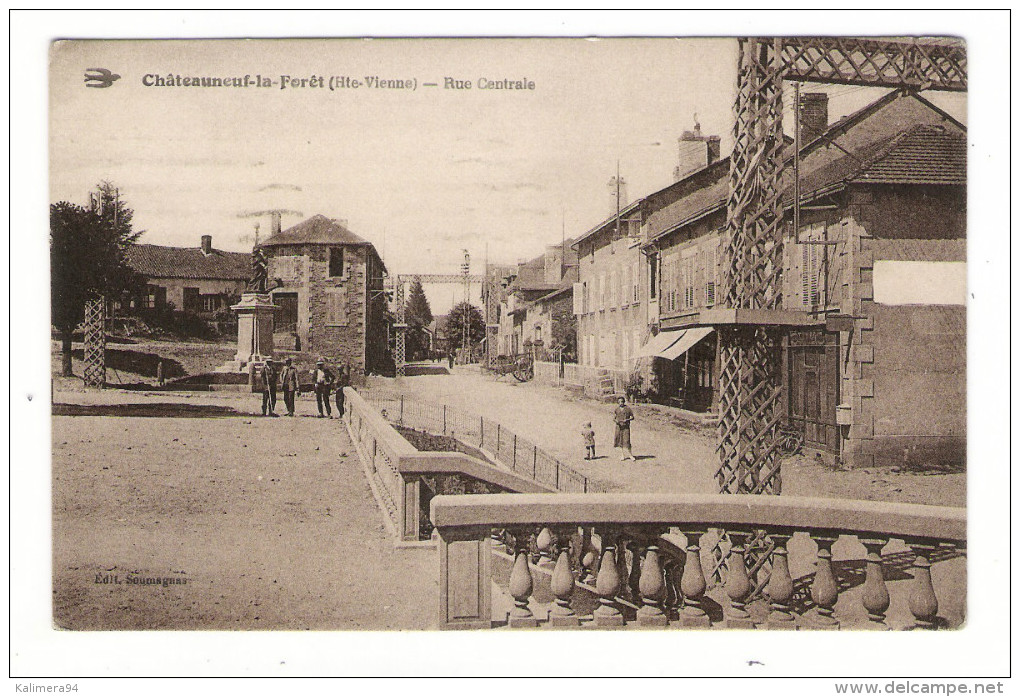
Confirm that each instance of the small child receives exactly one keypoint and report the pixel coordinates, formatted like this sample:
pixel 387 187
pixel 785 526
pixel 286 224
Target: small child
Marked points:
pixel 589 441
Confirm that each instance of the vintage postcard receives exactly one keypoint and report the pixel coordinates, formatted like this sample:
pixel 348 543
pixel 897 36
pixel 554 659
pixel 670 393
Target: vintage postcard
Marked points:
pixel 509 335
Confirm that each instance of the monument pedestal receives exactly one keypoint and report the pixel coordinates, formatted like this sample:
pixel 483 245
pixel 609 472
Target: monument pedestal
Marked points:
pixel 254 329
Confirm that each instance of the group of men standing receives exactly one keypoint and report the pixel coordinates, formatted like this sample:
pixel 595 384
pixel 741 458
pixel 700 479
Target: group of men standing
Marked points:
pixel 325 384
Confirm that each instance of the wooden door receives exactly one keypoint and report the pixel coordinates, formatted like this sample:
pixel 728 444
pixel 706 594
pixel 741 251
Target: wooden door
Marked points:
pixel 286 315
pixel 813 388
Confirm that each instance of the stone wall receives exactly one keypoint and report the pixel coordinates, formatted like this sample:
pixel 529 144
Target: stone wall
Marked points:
pixel 338 317
pixel 904 367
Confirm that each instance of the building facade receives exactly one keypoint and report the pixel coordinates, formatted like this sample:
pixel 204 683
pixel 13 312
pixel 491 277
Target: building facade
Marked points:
pixel 199 280
pixel 328 284
pixel 529 300
pixel 875 368
pixel 610 301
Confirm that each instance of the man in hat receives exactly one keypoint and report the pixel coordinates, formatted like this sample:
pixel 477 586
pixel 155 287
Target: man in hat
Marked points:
pixel 322 379
pixel 268 375
pixel 289 383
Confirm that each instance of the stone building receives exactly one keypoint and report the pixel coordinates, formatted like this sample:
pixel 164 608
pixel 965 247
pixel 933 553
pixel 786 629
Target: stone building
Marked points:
pixel 874 282
pixel 522 319
pixel 201 280
pixel 328 284
pixel 611 307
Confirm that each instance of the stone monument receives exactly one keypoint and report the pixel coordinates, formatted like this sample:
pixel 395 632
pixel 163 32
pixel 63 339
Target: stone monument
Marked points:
pixel 254 317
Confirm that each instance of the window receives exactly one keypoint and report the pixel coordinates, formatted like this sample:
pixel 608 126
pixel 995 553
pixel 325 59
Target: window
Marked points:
pixel 612 289
pixel 635 288
pixel 211 303
pixel 711 271
pixel 602 292
pixel 336 262
pixel 653 276
pixel 155 297
pixel 336 308
pixel 812 261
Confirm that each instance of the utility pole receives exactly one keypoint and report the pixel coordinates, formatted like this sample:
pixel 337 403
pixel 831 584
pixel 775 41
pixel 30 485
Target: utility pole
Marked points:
pixel 465 269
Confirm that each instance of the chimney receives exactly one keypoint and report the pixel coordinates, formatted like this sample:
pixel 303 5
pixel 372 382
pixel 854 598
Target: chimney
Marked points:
pixel 207 244
pixel 695 151
pixel 274 226
pixel 553 259
pixel 814 115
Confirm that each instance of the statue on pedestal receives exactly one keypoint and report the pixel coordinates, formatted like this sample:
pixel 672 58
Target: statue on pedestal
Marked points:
pixel 259 271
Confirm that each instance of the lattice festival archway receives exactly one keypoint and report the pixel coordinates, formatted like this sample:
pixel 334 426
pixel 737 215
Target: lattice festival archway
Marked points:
pixel 750 370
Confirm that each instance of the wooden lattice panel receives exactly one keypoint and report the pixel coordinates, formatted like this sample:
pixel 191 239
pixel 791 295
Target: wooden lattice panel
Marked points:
pixel 399 345
pixel 922 63
pixel 94 371
pixel 750 373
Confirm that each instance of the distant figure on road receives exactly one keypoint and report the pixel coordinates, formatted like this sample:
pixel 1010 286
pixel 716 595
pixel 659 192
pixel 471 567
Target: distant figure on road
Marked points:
pixel 623 415
pixel 449 357
pixel 160 376
pixel 290 385
pixel 268 388
pixel 343 381
pixel 588 433
pixel 323 379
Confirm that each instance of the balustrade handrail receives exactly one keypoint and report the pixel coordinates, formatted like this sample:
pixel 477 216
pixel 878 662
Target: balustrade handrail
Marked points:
pixel 666 577
pixel 710 510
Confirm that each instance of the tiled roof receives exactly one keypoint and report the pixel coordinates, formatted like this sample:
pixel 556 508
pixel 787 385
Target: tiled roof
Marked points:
pixel 155 261
pixel 316 230
pixel 882 152
pixel 922 155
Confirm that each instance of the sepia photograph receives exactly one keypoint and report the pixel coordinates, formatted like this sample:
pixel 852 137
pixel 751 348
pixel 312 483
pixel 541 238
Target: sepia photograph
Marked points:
pixel 462 338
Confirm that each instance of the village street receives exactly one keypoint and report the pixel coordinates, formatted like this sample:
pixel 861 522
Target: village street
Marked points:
pixel 673 455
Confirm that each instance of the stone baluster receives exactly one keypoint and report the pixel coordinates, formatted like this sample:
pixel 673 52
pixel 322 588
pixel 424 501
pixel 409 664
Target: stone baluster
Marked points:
pixel 545 543
pixel 651 584
pixel 824 589
pixel 924 604
pixel 693 584
pixel 562 584
pixel 521 583
pixel 607 582
pixel 780 586
pixel 876 595
pixel 588 557
pixel 738 584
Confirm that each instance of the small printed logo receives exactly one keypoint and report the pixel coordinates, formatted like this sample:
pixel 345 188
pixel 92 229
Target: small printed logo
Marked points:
pixel 100 77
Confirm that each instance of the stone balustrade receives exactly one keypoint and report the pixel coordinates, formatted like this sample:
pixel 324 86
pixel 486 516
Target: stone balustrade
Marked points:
pixel 404 477
pixel 654 558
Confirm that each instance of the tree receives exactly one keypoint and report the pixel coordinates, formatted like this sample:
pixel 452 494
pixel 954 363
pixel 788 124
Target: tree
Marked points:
pixel 461 314
pixel 564 331
pixel 418 315
pixel 87 259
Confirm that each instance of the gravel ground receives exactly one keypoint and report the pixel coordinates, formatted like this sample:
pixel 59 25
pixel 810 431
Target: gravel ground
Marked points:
pixel 269 521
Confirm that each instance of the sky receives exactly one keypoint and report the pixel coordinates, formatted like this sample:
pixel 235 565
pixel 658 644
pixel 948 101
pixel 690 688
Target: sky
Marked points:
pixel 423 174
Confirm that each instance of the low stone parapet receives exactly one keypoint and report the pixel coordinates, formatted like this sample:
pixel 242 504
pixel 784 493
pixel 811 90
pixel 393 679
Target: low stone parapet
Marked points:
pixel 803 563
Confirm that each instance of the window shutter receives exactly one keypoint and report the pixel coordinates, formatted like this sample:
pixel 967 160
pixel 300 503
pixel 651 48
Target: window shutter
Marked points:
pixel 336 308
pixel 578 299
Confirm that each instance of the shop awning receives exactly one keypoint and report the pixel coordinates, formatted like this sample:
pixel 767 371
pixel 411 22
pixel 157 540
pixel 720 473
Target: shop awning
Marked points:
pixel 658 344
pixel 687 339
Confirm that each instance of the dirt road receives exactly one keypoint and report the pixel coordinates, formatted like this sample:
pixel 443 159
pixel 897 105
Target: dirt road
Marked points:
pixel 257 523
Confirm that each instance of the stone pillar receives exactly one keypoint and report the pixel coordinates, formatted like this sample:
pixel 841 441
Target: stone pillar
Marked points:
pixel 254 327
